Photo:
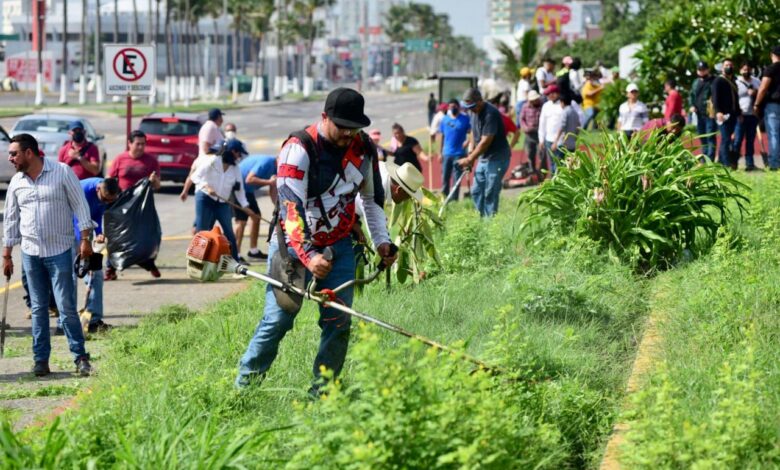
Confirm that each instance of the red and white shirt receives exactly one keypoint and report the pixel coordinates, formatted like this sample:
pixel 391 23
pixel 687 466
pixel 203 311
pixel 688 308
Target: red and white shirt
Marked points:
pixel 309 221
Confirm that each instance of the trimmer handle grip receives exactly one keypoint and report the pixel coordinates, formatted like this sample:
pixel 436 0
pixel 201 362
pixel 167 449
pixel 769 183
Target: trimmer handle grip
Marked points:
pixel 393 251
pixel 328 253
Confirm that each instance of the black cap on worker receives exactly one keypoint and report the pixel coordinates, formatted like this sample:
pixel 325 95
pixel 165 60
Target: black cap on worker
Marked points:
pixel 345 107
pixel 776 50
pixel 215 114
pixel 235 145
pixel 701 65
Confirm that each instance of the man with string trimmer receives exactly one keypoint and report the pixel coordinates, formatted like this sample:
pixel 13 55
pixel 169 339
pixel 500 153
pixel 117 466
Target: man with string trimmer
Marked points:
pixel 320 172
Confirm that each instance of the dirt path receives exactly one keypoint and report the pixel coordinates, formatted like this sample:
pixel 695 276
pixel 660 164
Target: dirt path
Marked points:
pixel 643 363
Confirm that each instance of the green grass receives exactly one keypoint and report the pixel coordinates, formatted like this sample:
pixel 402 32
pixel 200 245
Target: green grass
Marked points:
pixel 562 320
pixel 713 398
pixel 13 112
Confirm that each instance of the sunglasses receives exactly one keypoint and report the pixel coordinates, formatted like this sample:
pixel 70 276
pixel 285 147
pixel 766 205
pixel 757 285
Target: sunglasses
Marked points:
pixel 346 131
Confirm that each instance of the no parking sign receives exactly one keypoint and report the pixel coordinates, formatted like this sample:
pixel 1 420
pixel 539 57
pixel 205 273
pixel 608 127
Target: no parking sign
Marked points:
pixel 130 70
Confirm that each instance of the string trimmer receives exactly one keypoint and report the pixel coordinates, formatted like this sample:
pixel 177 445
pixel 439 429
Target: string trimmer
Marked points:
pixel 208 258
pixel 454 189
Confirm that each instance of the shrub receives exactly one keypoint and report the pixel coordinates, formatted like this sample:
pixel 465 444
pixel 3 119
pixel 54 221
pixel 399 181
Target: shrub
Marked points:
pixel 648 201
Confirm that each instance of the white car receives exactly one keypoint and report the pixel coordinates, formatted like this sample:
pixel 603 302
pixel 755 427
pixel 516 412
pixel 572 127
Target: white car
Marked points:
pixel 51 132
pixel 7 170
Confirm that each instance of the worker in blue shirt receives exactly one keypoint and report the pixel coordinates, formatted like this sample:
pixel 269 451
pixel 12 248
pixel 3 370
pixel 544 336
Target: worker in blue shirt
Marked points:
pixel 257 171
pixel 100 193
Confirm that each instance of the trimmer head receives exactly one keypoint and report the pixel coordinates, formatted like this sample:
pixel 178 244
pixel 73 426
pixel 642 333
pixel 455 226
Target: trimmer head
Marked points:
pixel 207 251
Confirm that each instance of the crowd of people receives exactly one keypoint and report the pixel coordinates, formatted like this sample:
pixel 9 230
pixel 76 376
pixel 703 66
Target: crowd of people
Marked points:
pixel 551 107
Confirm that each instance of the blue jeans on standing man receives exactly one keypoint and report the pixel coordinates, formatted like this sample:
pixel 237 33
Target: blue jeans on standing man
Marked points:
pixel 590 115
pixel 706 125
pixel 58 270
pixel 726 139
pixel 334 340
pixel 448 167
pixel 772 121
pixel 208 211
pixel 486 189
pixel 746 130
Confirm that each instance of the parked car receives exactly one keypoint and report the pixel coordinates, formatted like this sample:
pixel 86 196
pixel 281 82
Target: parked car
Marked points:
pixel 173 139
pixel 7 170
pixel 51 132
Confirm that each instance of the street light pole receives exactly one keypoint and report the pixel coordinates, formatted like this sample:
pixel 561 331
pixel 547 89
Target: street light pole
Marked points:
pixel 64 74
pixel 39 17
pixel 364 52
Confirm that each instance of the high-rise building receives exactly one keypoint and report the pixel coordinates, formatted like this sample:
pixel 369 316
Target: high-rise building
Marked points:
pixel 350 18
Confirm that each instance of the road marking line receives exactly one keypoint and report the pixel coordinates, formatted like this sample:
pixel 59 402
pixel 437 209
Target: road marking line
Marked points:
pixel 11 287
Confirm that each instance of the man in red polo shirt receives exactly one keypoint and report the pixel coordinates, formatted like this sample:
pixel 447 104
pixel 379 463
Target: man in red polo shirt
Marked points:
pixel 80 154
pixel 134 164
pixel 129 167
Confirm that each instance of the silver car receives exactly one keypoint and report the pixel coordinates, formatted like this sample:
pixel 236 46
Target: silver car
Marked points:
pixel 7 170
pixel 51 132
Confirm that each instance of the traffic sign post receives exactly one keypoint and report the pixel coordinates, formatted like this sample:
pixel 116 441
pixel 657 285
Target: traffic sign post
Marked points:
pixel 130 70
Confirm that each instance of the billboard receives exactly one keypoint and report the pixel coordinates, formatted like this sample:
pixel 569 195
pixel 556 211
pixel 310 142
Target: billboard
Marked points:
pixel 567 20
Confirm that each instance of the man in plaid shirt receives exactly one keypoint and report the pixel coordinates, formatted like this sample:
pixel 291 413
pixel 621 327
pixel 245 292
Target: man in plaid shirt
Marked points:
pixel 529 124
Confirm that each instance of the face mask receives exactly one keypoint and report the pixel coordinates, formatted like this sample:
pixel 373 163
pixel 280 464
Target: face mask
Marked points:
pixel 230 134
pixel 78 137
pixel 455 111
pixel 746 74
pixel 728 70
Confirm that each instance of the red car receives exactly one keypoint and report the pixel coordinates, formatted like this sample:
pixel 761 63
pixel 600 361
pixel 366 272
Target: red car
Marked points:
pixel 173 139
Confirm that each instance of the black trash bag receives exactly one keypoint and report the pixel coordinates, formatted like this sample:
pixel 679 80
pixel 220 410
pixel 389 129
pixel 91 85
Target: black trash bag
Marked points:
pixel 132 227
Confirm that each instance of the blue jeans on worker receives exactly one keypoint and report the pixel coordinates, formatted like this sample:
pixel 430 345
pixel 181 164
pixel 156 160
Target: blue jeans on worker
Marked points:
pixel 590 115
pixel 334 340
pixel 772 122
pixel 208 211
pixel 58 270
pixel 746 130
pixel 555 157
pixel 448 167
pixel 518 109
pixel 486 189
pixel 706 125
pixel 95 300
pixel 726 139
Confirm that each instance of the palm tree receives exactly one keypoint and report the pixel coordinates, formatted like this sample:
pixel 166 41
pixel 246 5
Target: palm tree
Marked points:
pixel 510 67
pixel 116 21
pixel 64 76
pixel 260 24
pixel 135 22
pixel 308 29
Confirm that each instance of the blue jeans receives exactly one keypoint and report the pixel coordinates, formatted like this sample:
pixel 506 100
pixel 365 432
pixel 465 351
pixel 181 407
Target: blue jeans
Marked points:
pixel 726 140
pixel 486 189
pixel 772 121
pixel 706 125
pixel 518 109
pixel 95 300
pixel 334 340
pixel 555 157
pixel 590 115
pixel 58 270
pixel 448 167
pixel 746 130
pixel 208 211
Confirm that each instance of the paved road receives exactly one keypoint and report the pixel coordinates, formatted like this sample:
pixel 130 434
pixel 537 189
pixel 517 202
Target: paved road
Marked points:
pixel 136 293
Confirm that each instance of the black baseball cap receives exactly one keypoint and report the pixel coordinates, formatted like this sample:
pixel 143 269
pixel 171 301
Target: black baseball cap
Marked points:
pixel 776 50
pixel 701 65
pixel 215 114
pixel 345 107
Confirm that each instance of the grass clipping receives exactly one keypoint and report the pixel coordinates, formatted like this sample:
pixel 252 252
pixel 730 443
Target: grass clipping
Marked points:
pixel 651 202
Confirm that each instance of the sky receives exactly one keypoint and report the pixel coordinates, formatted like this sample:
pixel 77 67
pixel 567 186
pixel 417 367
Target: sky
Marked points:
pixel 467 17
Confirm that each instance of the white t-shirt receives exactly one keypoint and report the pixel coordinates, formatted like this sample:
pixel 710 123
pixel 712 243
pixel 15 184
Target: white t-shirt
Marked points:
pixel 542 76
pixel 550 121
pixel 746 101
pixel 436 122
pixel 523 87
pixel 632 118
pixel 209 132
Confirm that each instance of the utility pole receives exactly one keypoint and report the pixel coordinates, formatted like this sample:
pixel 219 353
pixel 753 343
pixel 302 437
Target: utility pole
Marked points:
pixel 39 13
pixel 364 51
pixel 98 51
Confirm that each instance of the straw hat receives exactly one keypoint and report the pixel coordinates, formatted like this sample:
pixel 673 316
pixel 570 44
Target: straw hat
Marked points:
pixel 407 177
